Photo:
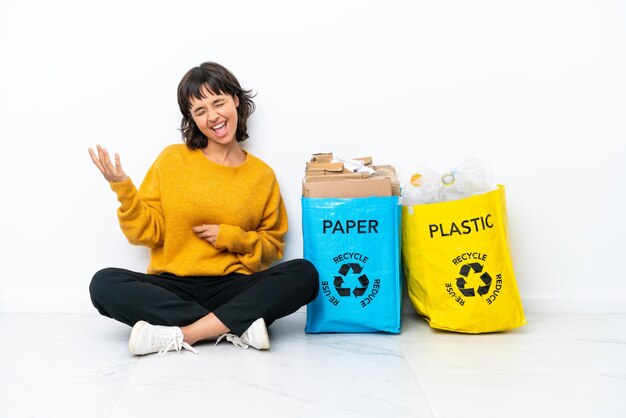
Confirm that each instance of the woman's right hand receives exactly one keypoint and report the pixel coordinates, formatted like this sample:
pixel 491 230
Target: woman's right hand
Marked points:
pixel 113 173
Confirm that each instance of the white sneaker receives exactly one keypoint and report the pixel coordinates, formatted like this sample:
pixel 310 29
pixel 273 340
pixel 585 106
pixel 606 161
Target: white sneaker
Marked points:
pixel 255 336
pixel 146 338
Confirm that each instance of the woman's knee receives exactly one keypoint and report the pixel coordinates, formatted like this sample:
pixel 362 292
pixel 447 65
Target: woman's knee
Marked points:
pixel 101 283
pixel 308 275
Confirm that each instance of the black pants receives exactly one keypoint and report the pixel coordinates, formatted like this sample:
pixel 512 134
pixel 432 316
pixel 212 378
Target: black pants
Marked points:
pixel 236 299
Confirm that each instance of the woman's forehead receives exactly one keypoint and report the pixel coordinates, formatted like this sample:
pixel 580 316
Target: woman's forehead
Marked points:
pixel 206 92
pixel 206 95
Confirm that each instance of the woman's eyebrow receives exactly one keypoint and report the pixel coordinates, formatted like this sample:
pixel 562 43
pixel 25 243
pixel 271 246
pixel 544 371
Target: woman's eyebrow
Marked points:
pixel 218 99
pixel 201 104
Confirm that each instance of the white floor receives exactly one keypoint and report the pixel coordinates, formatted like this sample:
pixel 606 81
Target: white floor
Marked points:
pixel 558 365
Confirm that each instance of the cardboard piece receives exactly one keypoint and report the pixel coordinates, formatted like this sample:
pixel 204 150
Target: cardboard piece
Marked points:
pixel 390 172
pixel 336 177
pixel 324 178
pixel 316 168
pixel 373 186
pixel 322 157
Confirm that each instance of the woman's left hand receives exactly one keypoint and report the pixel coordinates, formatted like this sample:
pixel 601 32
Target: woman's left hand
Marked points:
pixel 207 232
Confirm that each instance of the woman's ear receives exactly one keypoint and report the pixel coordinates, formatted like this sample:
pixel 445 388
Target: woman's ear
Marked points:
pixel 236 101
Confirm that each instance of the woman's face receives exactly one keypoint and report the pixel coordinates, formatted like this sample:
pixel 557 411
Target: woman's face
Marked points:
pixel 216 116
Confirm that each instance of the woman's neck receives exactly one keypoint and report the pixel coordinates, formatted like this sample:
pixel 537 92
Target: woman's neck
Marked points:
pixel 229 155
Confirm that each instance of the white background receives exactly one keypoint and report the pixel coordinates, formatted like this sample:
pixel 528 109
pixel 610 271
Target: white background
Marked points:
pixel 536 88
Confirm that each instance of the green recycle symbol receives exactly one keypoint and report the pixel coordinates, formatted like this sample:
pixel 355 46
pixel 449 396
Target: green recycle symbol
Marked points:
pixel 340 280
pixel 461 282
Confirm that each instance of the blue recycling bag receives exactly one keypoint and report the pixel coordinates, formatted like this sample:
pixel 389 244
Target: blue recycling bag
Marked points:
pixel 355 245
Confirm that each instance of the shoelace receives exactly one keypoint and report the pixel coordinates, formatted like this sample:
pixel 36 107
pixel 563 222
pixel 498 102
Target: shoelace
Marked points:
pixel 233 339
pixel 177 342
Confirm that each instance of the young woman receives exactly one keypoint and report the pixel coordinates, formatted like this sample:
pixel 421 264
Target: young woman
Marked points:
pixel 214 220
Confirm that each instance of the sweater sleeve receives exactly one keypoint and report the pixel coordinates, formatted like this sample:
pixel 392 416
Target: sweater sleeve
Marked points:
pixel 258 249
pixel 140 214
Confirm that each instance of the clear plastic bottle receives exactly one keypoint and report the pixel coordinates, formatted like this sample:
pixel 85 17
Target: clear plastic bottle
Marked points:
pixel 470 177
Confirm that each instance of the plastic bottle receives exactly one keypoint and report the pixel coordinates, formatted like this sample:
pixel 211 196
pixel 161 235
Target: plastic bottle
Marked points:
pixel 470 177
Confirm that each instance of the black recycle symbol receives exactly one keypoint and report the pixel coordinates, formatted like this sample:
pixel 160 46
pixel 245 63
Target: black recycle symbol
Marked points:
pixel 340 282
pixel 476 268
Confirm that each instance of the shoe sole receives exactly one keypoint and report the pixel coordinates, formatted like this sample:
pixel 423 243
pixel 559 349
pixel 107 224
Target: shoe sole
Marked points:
pixel 132 341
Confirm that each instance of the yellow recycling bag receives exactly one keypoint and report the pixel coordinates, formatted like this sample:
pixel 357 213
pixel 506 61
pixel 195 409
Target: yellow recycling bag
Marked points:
pixel 457 264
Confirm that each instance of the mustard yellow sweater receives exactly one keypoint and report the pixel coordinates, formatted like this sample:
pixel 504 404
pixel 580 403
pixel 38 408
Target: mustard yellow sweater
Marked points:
pixel 183 189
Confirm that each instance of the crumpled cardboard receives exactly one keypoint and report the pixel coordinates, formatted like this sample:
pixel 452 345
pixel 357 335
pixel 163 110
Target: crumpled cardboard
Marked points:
pixel 326 177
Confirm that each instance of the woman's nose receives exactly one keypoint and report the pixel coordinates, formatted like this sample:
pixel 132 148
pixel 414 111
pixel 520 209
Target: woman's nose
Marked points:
pixel 211 113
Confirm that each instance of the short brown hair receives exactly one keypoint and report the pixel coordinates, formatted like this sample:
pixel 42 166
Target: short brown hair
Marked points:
pixel 218 80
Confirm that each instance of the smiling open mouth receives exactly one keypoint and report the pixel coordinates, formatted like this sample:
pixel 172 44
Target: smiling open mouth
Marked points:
pixel 220 129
